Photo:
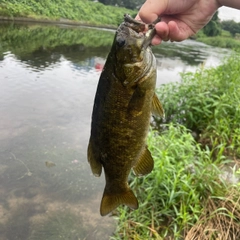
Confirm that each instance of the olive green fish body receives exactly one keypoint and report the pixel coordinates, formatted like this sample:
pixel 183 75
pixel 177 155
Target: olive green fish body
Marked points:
pixel 121 115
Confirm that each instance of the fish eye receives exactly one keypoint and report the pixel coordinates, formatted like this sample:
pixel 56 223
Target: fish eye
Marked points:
pixel 121 42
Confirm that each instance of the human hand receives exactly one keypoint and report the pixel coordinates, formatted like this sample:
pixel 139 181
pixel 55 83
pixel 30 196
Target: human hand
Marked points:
pixel 179 19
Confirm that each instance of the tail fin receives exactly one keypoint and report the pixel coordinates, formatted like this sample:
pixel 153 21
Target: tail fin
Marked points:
pixel 112 201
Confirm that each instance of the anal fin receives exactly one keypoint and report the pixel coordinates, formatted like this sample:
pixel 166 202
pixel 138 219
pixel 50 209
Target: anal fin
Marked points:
pixel 157 108
pixel 144 164
pixel 96 166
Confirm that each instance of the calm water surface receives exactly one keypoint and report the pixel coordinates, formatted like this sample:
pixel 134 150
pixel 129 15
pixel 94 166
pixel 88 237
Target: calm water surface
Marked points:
pixel 48 78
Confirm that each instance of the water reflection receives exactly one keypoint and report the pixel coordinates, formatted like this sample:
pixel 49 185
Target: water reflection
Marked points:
pixel 48 78
pixel 45 116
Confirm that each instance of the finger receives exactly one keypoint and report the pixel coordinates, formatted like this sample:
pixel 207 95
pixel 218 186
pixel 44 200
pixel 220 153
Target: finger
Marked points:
pixel 162 30
pixel 151 9
pixel 138 18
pixel 179 31
pixel 156 40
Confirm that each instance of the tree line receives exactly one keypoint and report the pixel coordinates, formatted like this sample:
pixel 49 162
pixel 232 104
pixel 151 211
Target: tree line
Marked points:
pixel 231 26
pixel 215 27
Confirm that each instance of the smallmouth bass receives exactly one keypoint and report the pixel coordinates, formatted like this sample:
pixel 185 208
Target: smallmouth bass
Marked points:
pixel 124 102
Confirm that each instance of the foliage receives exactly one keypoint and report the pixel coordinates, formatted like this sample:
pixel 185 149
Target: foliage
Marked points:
pixel 199 34
pixel 231 26
pixel 220 41
pixel 220 34
pixel 208 103
pixel 84 11
pixel 131 4
pixel 224 41
pixel 213 28
pixel 173 195
pixel 220 218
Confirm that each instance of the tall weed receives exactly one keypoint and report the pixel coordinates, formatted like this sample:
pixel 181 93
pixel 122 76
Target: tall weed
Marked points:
pixel 87 12
pixel 172 196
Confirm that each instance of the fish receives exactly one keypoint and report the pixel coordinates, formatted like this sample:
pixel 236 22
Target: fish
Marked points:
pixel 50 164
pixel 124 102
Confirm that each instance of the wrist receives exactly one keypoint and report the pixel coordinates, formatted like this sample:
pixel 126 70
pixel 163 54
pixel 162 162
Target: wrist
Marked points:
pixel 229 3
pixel 220 3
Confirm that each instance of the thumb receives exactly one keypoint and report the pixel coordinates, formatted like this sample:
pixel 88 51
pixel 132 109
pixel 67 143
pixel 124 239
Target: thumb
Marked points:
pixel 151 10
pixel 179 31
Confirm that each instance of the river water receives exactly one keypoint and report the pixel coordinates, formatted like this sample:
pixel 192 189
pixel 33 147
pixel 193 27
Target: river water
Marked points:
pixel 48 79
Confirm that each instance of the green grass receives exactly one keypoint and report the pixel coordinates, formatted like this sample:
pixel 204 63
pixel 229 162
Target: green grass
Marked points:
pixel 225 40
pixel 173 195
pixel 208 103
pixel 185 195
pixel 87 12
pixel 219 41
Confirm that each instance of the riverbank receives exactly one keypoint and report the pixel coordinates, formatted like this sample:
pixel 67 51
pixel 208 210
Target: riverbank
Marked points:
pixel 86 13
pixel 179 189
pixel 218 41
pixel 55 22
pixel 70 12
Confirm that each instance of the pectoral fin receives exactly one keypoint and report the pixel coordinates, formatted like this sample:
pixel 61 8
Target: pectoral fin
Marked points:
pixel 157 108
pixel 136 103
pixel 145 163
pixel 96 166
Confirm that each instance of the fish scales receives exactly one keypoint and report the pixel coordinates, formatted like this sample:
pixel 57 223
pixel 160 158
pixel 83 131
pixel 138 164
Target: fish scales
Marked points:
pixel 124 102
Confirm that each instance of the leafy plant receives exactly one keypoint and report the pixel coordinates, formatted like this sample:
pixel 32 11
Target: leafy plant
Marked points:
pixel 220 41
pixel 86 12
pixel 208 103
pixel 173 195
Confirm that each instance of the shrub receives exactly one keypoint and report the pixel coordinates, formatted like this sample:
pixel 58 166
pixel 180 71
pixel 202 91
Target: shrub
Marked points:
pixel 173 195
pixel 208 103
pixel 223 42
pixel 83 11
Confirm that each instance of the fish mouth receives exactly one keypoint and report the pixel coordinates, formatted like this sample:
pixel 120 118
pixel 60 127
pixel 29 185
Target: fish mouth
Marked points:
pixel 140 28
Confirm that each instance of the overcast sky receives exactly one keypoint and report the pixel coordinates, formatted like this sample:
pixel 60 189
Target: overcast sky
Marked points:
pixel 226 13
